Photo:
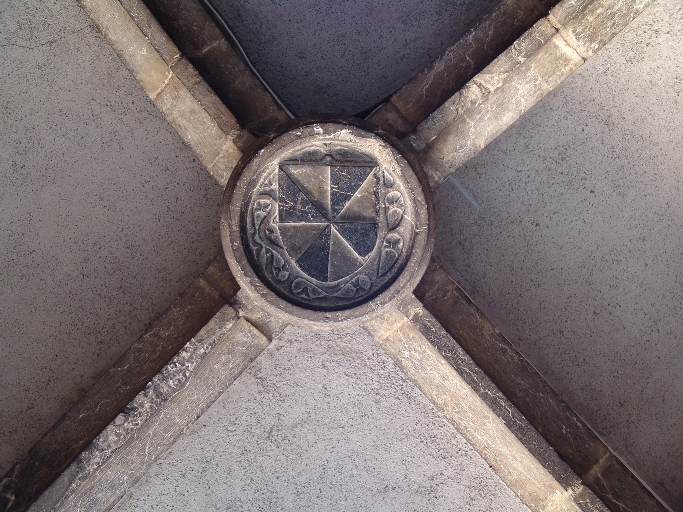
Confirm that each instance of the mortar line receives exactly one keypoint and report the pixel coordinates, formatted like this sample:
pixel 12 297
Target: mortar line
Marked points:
pixel 118 21
pixel 170 76
pixel 564 34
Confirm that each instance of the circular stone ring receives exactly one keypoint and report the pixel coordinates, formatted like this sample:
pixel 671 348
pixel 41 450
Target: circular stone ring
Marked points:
pixel 328 216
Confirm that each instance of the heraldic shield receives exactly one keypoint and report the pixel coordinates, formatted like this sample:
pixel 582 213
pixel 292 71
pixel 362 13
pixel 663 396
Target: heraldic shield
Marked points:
pixel 325 230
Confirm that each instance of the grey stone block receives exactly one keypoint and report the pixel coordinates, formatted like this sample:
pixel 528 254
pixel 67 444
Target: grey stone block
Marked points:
pixel 203 93
pixel 130 44
pixel 202 42
pixel 150 27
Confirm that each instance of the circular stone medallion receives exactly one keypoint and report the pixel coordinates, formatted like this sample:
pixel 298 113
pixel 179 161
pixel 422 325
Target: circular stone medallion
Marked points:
pixel 328 215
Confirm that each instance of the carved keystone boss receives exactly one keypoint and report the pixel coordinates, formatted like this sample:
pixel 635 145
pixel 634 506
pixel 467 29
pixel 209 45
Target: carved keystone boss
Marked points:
pixel 328 216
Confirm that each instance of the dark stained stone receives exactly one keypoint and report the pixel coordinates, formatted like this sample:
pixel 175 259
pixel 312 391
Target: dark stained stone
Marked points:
pixel 298 236
pixel 344 182
pixel 444 76
pixel 205 46
pixel 362 237
pixel 619 489
pixel 389 117
pixel 314 262
pixel 362 207
pixel 293 205
pixel 343 259
pixel 219 276
pixel 314 181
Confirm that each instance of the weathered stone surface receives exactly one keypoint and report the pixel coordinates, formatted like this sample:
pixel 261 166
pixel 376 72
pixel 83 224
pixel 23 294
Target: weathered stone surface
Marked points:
pixel 191 121
pixel 485 431
pixel 572 244
pixel 488 80
pixel 478 125
pixel 198 37
pixel 225 162
pixel 198 30
pixel 477 48
pixel 561 427
pixel 232 353
pixel 588 25
pixel 150 27
pixel 186 100
pixel 388 117
pixel 244 140
pixel 135 51
pixel 109 395
pixel 514 420
pixel 598 468
pixel 219 276
pixel 546 5
pixel 465 119
pixel 511 373
pixel 269 324
pixel 203 93
pixel 105 215
pixel 147 403
pixel 321 420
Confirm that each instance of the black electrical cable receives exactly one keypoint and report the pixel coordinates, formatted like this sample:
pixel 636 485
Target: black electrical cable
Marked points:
pixel 226 30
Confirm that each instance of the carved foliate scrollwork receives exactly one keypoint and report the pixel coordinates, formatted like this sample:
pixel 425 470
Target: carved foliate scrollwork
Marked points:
pixel 279 268
pixel 357 286
pixel 307 290
pixel 393 243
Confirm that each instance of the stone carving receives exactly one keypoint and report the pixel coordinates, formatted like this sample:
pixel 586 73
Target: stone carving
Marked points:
pixel 393 243
pixel 264 253
pixel 326 228
pixel 394 202
pixel 307 290
pixel 359 285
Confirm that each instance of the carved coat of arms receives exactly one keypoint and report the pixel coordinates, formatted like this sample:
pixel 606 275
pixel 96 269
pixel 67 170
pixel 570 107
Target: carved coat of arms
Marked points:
pixel 328 230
